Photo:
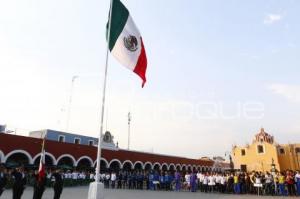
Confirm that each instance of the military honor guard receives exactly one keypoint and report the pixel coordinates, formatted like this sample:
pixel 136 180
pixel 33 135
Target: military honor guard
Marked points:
pixel 39 185
pixel 57 179
pixel 19 182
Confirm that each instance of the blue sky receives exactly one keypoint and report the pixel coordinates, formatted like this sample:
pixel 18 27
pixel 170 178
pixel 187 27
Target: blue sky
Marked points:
pixel 208 63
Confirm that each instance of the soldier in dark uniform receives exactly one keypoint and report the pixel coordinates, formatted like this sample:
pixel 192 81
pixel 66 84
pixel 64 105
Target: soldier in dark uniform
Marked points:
pixel 3 179
pixel 19 182
pixel 57 180
pixel 39 185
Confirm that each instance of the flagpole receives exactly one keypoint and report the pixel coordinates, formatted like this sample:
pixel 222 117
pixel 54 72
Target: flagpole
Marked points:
pixel 103 99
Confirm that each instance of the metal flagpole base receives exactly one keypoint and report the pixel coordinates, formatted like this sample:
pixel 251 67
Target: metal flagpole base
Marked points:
pixel 96 190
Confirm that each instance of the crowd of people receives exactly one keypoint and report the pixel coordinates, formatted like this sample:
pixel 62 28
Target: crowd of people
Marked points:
pixel 277 183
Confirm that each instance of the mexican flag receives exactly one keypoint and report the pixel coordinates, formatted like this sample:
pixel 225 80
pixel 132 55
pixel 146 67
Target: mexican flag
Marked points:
pixel 42 172
pixel 125 41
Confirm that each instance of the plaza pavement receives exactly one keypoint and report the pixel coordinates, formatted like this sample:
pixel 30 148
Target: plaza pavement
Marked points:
pixel 81 193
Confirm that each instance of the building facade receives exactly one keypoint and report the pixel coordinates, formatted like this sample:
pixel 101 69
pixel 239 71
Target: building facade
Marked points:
pixel 264 153
pixel 64 137
pixel 26 151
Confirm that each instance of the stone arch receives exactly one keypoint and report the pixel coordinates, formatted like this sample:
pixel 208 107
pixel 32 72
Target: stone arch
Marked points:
pixel 65 157
pixel 103 164
pixel 148 166
pixel 114 166
pixel 82 158
pixel 164 167
pixel 183 167
pixel 194 168
pixel 178 167
pixel 141 167
pixel 198 168
pixel 189 168
pixel 172 167
pixel 156 166
pixel 103 161
pixel 127 164
pixel 1 157
pixel 53 159
pixel 30 160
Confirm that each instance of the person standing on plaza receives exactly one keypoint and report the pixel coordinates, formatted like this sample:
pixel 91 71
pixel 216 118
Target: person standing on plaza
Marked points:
pixel 113 179
pixel 187 178
pixel 119 180
pixel 3 179
pixel 290 183
pixel 177 181
pixel 193 181
pixel 281 183
pixel 268 183
pixel 19 182
pixel 39 185
pixel 297 179
pixel 205 183
pixel 57 179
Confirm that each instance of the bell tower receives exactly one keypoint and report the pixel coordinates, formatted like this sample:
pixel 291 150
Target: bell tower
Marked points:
pixel 263 136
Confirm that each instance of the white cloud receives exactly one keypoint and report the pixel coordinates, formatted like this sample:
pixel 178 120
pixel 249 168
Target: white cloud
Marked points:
pixel 272 18
pixel 290 92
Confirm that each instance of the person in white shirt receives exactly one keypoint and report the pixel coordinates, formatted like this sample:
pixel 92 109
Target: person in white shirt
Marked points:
pixel 211 182
pixel 74 175
pixel 223 183
pixel 268 183
pixel 106 180
pixel 113 179
pixel 92 176
pixel 205 183
pixel 187 181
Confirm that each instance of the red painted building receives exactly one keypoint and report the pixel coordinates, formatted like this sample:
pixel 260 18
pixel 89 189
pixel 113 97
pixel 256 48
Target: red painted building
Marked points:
pixel 26 150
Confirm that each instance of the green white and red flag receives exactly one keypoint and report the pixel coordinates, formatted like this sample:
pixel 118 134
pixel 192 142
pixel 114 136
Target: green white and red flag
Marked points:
pixel 125 41
pixel 42 170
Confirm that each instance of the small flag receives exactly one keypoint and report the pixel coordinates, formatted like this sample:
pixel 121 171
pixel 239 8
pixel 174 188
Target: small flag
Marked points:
pixel 42 172
pixel 125 41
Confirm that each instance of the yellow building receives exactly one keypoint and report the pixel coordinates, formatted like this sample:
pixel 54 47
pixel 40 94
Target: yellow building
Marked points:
pixel 263 151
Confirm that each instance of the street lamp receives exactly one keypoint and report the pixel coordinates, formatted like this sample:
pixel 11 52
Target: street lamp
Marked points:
pixel 273 167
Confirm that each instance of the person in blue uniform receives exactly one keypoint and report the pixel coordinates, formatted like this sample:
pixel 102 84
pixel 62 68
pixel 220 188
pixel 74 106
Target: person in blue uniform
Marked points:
pixel 167 181
pixel 140 180
pixel 177 181
pixel 297 179
pixel 19 182
pixel 161 181
pixel 193 181
pixel 151 179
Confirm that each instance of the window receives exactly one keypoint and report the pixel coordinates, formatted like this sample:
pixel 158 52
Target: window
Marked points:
pixel 91 142
pixel 281 151
pixel 297 150
pixel 61 138
pixel 260 149
pixel 77 140
pixel 243 168
pixel 243 152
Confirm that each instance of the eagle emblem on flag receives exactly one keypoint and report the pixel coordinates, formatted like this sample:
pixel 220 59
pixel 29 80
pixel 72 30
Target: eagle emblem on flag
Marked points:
pixel 131 43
